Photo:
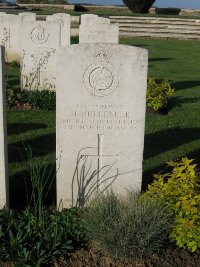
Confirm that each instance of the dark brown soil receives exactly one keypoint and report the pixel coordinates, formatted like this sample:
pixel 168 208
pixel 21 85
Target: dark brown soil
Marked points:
pixel 171 257
pixel 92 257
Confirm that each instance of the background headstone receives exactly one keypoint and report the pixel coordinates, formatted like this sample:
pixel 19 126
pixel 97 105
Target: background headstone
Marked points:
pixel 65 22
pixel 40 40
pixel 91 18
pixel 101 100
pixel 10 36
pixel 94 29
pixel 4 199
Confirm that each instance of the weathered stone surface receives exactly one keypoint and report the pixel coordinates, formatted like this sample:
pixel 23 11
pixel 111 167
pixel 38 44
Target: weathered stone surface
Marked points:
pixel 98 32
pixel 10 36
pixel 39 43
pixel 91 18
pixel 65 23
pixel 94 29
pixel 3 140
pixel 100 117
pixel 28 16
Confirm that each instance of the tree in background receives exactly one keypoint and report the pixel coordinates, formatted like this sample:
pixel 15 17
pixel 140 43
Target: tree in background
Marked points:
pixel 139 6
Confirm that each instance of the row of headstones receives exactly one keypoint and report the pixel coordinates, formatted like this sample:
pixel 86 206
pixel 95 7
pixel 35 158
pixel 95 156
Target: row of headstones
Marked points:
pixel 100 120
pixel 34 42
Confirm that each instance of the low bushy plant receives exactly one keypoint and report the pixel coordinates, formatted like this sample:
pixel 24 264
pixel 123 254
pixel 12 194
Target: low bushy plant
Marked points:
pixel 13 64
pixel 158 94
pixel 180 190
pixel 24 99
pixel 28 241
pixel 39 236
pixel 131 226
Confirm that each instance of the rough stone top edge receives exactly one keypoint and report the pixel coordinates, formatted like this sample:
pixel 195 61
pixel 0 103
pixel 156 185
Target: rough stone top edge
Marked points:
pixel 64 49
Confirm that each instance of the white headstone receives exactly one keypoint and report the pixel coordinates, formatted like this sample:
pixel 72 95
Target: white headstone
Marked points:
pixel 65 22
pixel 94 29
pixel 87 18
pixel 10 36
pixel 4 200
pixel 40 40
pixel 100 114
pixel 28 16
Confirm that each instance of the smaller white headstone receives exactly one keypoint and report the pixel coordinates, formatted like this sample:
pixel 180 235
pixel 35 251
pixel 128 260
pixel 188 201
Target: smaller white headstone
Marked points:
pixel 10 36
pixel 28 16
pixel 98 32
pixel 65 22
pixel 40 40
pixel 4 199
pixel 87 18
pixel 91 18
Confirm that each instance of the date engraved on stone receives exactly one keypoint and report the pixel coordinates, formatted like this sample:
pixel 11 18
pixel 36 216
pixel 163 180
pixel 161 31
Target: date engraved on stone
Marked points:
pixel 39 35
pixel 101 78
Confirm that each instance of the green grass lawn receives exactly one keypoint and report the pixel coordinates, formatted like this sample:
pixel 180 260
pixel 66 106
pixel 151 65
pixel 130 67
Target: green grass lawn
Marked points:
pixel 177 134
pixel 167 137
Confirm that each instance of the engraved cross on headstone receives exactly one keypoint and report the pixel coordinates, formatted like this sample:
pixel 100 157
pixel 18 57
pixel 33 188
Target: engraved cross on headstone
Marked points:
pixel 99 158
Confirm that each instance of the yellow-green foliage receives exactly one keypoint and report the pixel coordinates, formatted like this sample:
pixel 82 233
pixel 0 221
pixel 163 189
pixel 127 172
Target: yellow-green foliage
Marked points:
pixel 158 94
pixel 180 190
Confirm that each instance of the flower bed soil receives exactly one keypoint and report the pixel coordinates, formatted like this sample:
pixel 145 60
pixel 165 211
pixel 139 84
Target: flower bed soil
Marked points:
pixel 171 257
pixel 92 257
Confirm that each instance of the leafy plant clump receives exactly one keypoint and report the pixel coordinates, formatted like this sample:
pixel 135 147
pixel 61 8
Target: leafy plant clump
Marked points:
pixel 29 241
pixel 158 94
pixel 180 190
pixel 133 226
pixel 13 64
pixel 38 235
pixel 24 99
pixel 139 6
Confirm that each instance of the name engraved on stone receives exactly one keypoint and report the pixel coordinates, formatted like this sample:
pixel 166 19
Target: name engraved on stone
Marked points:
pixel 39 35
pixel 101 78
pixel 100 117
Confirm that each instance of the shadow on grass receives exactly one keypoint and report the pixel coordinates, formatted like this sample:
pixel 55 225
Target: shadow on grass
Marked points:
pixel 185 85
pixel 40 146
pixel 163 141
pixel 17 128
pixel 147 176
pixel 179 101
pixel 20 188
pixel 160 59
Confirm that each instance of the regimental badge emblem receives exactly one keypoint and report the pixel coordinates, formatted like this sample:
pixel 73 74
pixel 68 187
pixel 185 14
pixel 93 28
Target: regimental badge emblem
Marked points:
pixel 101 78
pixel 39 35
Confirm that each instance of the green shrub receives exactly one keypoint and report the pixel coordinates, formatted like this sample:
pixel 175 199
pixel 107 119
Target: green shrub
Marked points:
pixel 158 94
pixel 180 190
pixel 75 39
pixel 134 226
pixel 139 6
pixel 13 64
pixel 38 236
pixel 24 99
pixel 28 241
